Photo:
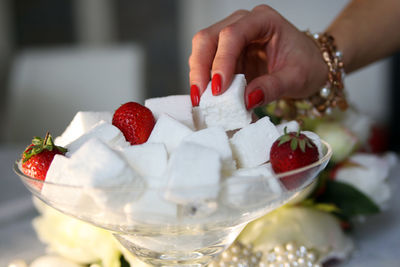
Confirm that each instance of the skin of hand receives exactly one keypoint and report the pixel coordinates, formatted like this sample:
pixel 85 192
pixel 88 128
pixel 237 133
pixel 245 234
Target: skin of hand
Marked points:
pixel 277 59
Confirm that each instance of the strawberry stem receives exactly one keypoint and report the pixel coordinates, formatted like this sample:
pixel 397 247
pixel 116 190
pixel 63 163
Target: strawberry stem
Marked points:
pixel 39 144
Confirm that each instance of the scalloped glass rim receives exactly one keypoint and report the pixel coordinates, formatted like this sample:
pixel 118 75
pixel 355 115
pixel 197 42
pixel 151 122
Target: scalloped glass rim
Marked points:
pixel 322 160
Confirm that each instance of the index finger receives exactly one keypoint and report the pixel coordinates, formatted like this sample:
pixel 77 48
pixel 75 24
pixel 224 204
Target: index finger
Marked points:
pixel 236 36
pixel 204 46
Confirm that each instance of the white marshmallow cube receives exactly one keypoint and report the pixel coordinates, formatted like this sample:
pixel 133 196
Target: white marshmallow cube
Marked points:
pixel 194 173
pixel 265 171
pixel 316 140
pixel 228 109
pixel 99 166
pixel 82 122
pixel 99 170
pixel 148 159
pixel 169 132
pixel 151 205
pixel 66 198
pixel 198 119
pixel 104 131
pixel 252 186
pixel 252 144
pixel 291 126
pixel 178 107
pixel 214 138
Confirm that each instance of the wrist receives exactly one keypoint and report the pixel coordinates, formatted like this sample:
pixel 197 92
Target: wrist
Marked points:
pixel 331 94
pixel 343 47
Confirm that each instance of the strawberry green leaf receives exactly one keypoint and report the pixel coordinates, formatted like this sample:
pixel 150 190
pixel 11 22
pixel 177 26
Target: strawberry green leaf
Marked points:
pixel 37 150
pixel 39 144
pixel 293 144
pixel 283 139
pixel 37 141
pixel 302 144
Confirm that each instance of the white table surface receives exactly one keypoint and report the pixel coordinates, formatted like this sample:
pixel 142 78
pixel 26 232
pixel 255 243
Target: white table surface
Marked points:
pixel 377 240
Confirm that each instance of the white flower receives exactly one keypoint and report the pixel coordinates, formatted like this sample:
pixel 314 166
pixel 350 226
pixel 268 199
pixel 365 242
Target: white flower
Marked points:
pixel 369 174
pixel 75 240
pixel 51 261
pixel 359 124
pixel 307 226
pixel 342 140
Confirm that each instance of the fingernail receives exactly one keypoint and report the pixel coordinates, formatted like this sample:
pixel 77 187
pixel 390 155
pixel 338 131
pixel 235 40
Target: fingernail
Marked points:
pixel 255 98
pixel 216 84
pixel 195 95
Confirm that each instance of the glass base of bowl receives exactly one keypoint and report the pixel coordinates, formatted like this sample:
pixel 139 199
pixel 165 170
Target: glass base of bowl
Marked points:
pixel 186 247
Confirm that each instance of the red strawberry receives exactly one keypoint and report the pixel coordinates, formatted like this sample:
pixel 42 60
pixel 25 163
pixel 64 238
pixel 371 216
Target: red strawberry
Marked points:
pixel 292 151
pixel 135 121
pixel 38 156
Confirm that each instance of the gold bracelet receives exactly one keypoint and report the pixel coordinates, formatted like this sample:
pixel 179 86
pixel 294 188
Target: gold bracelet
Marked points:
pixel 330 96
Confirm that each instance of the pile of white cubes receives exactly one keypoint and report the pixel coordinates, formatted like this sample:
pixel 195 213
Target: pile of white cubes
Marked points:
pixel 190 153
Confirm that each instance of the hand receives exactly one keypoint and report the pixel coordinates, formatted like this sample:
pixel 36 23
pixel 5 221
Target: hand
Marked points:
pixel 277 59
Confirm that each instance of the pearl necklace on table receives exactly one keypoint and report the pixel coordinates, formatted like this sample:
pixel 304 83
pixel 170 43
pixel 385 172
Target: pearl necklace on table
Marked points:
pixel 286 255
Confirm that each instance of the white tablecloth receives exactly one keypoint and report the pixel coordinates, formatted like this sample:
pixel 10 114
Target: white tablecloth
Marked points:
pixel 377 240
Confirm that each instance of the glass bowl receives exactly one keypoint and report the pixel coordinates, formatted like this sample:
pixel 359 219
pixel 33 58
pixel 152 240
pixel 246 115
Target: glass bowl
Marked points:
pixel 162 231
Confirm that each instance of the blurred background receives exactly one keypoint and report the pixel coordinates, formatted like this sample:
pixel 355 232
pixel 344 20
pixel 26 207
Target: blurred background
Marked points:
pixel 61 56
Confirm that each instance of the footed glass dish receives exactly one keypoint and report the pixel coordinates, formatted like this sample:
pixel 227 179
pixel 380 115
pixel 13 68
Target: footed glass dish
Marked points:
pixel 164 232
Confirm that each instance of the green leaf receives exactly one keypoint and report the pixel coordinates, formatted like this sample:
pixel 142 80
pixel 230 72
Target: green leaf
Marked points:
pixel 348 199
pixel 309 144
pixel 37 141
pixel 268 110
pixel 39 145
pixel 284 138
pixel 302 144
pixel 37 150
pixel 293 144
pixel 62 149
pixel 260 112
pixel 124 262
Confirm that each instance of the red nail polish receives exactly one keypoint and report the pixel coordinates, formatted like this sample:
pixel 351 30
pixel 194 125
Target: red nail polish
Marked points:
pixel 216 84
pixel 255 98
pixel 195 95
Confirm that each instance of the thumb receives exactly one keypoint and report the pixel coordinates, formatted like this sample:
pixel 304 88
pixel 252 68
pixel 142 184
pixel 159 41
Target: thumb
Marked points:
pixel 264 89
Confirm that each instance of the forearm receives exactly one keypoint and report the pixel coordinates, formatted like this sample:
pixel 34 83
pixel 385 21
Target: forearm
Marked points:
pixel 366 31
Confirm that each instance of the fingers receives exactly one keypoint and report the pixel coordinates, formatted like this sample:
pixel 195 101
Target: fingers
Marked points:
pixel 204 47
pixel 234 38
pixel 263 89
pixel 270 87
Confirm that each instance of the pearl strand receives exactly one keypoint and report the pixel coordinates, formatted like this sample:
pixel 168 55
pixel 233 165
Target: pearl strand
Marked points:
pixel 290 255
pixel 238 254
pixel 286 255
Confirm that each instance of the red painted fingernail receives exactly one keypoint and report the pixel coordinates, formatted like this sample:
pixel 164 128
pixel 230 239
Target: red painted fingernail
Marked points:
pixel 216 84
pixel 255 98
pixel 195 95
